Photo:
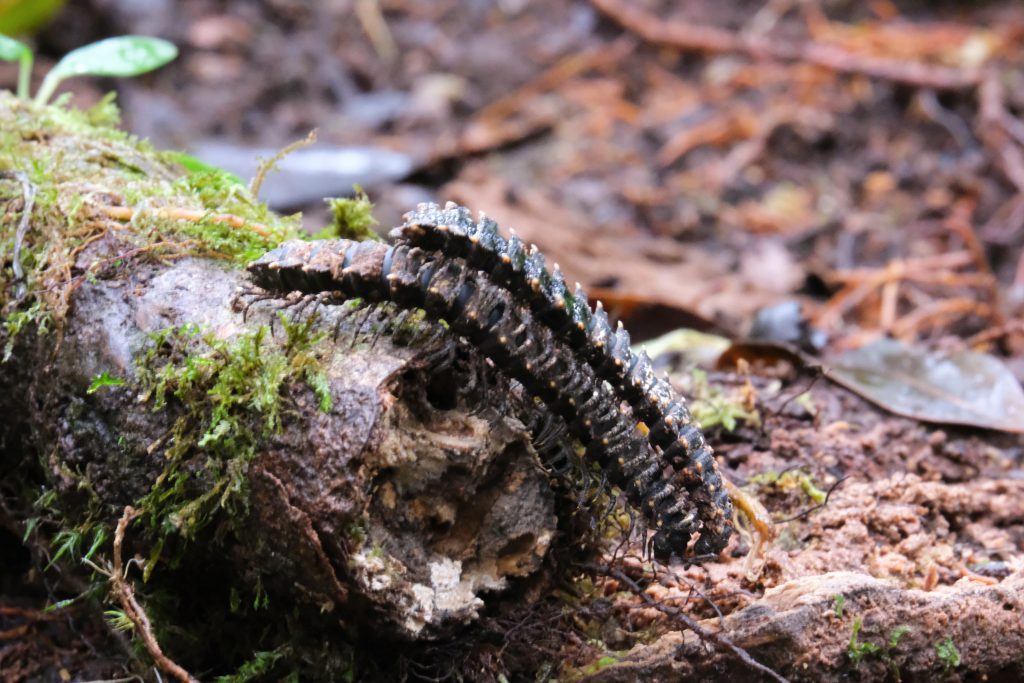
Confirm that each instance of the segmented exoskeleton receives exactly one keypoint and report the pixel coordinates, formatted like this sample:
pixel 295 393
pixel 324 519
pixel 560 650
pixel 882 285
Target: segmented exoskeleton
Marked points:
pixel 522 271
pixel 504 331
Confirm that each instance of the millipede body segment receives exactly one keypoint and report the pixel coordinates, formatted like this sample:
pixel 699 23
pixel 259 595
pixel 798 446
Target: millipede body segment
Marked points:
pixel 489 316
pixel 523 272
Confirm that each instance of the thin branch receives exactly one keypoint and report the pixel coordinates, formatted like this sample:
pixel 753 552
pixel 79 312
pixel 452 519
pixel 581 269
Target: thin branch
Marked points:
pixel 714 40
pixel 708 636
pixel 801 515
pixel 133 610
pixel 268 164
pixel 127 213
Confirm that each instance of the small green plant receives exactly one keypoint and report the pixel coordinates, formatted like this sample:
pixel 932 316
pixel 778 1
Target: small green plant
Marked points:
pixel 790 479
pixel 712 407
pixel 352 217
pixel 104 380
pixel 122 56
pixel 838 602
pixel 948 655
pixel 119 621
pixel 857 650
pixel 259 665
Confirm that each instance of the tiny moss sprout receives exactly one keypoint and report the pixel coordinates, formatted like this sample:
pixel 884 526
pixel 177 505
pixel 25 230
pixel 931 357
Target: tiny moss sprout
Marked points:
pixel 858 650
pixel 352 217
pixel 838 603
pixel 947 654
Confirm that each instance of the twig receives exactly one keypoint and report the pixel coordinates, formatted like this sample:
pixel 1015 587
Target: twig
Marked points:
pixel 713 40
pixel 938 313
pixel 267 165
pixel 28 191
pixel 127 213
pixel 816 374
pixel 801 515
pixel 376 28
pixel 708 636
pixel 517 115
pixel 861 282
pixel 993 131
pixel 959 221
pixel 133 610
pixel 991 334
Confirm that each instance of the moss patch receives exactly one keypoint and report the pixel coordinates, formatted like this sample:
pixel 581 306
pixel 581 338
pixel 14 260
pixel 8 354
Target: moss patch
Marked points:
pixel 229 397
pixel 95 184
pixel 352 217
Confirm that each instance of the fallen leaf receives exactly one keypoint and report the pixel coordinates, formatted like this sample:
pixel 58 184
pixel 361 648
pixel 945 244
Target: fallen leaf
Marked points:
pixel 963 387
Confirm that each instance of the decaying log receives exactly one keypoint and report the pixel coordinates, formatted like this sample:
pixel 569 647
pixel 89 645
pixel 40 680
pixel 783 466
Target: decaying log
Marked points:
pixel 386 501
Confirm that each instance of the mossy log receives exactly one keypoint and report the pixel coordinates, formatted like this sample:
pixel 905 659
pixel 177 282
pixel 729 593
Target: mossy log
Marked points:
pixel 301 472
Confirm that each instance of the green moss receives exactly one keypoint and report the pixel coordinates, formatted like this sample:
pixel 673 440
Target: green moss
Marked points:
pixel 838 602
pixel 712 407
pixel 858 650
pixel 228 396
pixel 791 479
pixel 89 179
pixel 261 664
pixel 352 217
pixel 947 654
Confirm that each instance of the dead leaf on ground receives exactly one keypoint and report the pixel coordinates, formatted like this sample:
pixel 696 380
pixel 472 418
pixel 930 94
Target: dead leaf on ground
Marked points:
pixel 963 387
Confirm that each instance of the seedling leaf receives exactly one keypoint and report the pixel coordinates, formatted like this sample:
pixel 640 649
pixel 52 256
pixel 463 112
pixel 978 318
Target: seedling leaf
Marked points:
pixel 12 50
pixel 120 56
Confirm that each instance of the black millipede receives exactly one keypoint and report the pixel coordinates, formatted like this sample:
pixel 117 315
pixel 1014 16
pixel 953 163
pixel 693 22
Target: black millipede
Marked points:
pixel 505 332
pixel 522 271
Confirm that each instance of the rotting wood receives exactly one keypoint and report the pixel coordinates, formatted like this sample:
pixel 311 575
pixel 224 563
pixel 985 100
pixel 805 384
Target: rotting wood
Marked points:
pixel 386 504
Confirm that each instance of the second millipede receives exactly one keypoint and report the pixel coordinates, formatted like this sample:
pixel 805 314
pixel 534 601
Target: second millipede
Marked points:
pixel 522 270
pixel 490 318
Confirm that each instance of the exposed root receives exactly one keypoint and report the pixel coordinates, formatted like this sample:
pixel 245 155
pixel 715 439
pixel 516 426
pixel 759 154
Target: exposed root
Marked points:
pixel 134 610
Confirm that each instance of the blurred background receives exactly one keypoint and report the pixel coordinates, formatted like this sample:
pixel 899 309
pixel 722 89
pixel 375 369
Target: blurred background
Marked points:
pixel 690 162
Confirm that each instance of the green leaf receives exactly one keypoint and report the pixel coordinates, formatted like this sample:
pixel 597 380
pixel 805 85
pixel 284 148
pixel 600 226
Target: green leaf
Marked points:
pixel 104 380
pixel 194 165
pixel 838 602
pixel 962 388
pixel 12 50
pixel 121 56
pixel 947 654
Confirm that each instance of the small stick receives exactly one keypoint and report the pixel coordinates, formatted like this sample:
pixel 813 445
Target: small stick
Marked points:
pixel 811 509
pixel 714 40
pixel 268 164
pixel 690 623
pixel 127 213
pixel 134 610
